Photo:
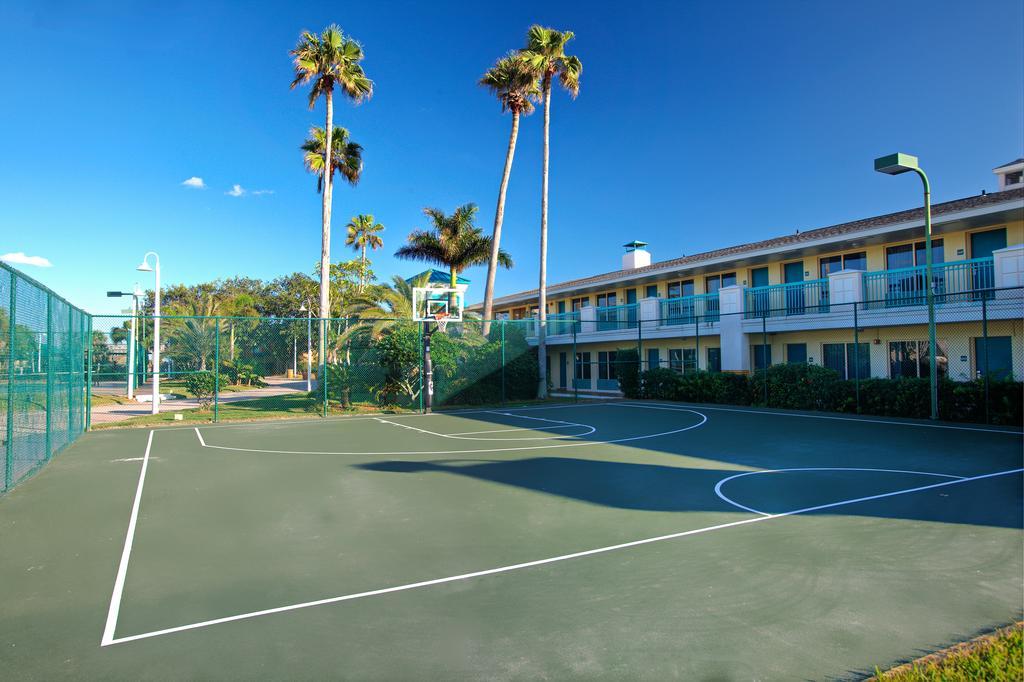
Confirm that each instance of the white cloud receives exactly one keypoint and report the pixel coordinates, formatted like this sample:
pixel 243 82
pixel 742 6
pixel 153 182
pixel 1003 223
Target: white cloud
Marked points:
pixel 21 259
pixel 195 183
pixel 236 191
pixel 260 192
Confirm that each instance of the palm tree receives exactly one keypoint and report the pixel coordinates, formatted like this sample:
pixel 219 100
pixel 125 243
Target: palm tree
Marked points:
pixel 346 156
pixel 514 83
pixel 363 233
pixel 328 61
pixel 454 242
pixel 545 54
pixel 379 307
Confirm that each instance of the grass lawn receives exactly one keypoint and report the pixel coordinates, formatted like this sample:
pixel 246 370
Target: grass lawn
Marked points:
pixel 999 656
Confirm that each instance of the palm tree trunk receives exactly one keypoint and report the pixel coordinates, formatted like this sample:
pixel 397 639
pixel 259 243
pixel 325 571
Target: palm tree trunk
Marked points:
pixel 542 303
pixel 325 246
pixel 499 217
pixel 362 271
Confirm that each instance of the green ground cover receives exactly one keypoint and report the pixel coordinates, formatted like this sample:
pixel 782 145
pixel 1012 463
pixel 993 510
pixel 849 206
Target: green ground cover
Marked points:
pixel 998 657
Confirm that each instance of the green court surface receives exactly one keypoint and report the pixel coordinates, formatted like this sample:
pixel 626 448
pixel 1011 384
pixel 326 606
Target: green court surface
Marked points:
pixel 614 540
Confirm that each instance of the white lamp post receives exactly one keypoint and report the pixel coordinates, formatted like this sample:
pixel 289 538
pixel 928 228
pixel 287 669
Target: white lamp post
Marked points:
pixel 309 345
pixel 145 267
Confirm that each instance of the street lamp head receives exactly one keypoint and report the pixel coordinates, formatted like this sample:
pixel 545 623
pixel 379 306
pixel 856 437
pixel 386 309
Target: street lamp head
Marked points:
pixel 114 294
pixel 144 267
pixel 897 163
pixel 302 308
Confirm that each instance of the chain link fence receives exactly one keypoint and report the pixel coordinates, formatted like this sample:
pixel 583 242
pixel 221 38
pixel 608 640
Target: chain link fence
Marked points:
pixel 254 367
pixel 872 357
pixel 42 375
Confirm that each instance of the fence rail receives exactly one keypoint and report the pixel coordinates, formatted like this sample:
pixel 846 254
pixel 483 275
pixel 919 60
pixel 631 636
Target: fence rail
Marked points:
pixel 689 309
pixel 951 282
pixel 781 300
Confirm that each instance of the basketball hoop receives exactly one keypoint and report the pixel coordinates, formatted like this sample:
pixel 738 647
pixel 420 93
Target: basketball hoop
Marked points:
pixel 442 321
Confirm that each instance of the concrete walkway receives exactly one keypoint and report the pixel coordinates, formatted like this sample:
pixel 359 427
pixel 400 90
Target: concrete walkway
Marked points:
pixel 103 414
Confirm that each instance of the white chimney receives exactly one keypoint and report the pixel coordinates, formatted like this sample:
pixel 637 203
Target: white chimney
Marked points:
pixel 636 256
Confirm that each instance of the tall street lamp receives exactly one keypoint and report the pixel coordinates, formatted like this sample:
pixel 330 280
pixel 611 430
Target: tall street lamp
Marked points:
pixel 895 164
pixel 145 267
pixel 308 309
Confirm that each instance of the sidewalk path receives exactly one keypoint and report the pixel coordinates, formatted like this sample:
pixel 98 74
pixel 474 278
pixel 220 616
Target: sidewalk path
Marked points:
pixel 103 414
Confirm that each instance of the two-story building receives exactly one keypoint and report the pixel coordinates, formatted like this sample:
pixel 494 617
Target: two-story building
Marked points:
pixel 851 297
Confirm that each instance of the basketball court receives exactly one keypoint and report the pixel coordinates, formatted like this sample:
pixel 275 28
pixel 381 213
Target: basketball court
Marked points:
pixel 613 540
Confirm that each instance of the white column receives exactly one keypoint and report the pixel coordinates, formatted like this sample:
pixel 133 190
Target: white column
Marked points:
pixel 735 344
pixel 649 312
pixel 1009 270
pixel 846 286
pixel 588 319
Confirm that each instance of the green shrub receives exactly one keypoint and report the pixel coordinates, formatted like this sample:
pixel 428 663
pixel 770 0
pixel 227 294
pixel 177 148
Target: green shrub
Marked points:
pixel 660 383
pixel 627 361
pixel 201 385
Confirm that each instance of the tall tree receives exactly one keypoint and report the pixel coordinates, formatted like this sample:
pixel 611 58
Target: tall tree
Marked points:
pixel 363 232
pixel 545 54
pixel 454 242
pixel 514 83
pixel 328 61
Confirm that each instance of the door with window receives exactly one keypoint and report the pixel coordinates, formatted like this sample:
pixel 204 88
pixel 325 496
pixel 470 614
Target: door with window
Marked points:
pixel 563 369
pixel 679 307
pixel 796 353
pixel 849 360
pixel 995 358
pixel 905 277
pixel 607 371
pixel 653 358
pixel 760 298
pixel 912 358
pixel 714 359
pixel 607 312
pixel 793 273
pixel 712 285
pixel 983 244
pixel 631 310
pixel 582 371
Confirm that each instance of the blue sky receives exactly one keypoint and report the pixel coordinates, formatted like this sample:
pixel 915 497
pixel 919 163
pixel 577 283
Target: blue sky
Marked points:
pixel 698 125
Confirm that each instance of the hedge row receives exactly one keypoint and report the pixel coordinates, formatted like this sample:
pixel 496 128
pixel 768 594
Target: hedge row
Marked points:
pixel 812 387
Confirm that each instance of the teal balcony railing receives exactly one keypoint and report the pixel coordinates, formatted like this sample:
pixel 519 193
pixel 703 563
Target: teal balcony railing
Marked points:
pixel 689 309
pixel 965 280
pixel 780 300
pixel 617 317
pixel 563 323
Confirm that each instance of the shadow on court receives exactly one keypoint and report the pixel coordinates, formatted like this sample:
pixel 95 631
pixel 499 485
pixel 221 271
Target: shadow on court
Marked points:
pixel 657 488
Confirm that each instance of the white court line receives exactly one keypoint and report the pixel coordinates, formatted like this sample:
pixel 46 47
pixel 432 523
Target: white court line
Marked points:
pixel 201 441
pixel 520 428
pixel 122 568
pixel 540 562
pixel 703 419
pixel 718 486
pixel 863 420
pixel 456 436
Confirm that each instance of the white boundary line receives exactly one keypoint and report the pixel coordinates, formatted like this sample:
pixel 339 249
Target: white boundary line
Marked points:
pixel 518 428
pixel 703 420
pixel 588 429
pixel 864 420
pixel 718 486
pixel 540 562
pixel 126 553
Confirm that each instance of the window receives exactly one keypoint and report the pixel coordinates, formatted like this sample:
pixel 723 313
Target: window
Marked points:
pixel 605 300
pixel 1014 178
pixel 851 361
pixel 910 255
pixel 653 358
pixel 689 360
pixel 578 303
pixel 675 360
pixel 849 261
pixel 714 359
pixel 680 289
pixel 762 355
pixel 651 291
pixel 715 282
pixel 583 365
pixel 606 365
pixel 998 362
pixel 796 353
pixel 910 359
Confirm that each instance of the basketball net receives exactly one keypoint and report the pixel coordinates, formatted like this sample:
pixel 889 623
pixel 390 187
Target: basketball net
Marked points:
pixel 442 321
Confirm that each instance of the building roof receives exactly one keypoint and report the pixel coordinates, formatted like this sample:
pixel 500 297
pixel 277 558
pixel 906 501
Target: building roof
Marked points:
pixel 439 277
pixel 791 240
pixel 1007 165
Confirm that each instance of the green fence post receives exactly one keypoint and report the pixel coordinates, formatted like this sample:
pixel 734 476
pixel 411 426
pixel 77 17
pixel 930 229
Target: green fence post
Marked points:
pixel 766 355
pixel 696 341
pixel 639 342
pixel 49 374
pixel 984 340
pixel 856 357
pixel 503 362
pixel 11 319
pixel 88 392
pixel 419 344
pixel 575 364
pixel 70 370
pixel 216 373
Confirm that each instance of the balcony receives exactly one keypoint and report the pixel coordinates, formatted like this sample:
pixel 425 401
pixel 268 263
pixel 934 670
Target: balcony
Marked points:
pixel 954 282
pixel 783 300
pixel 688 309
pixel 615 317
